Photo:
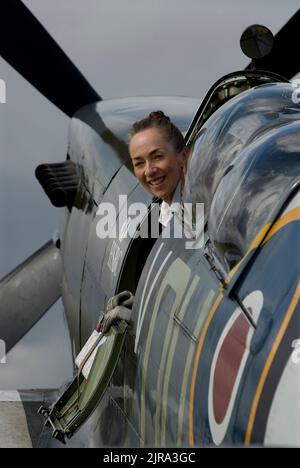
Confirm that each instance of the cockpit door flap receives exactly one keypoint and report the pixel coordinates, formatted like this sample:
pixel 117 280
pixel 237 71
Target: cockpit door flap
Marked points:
pixel 81 397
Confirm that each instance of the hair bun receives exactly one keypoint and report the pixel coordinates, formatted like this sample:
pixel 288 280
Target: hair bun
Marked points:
pixel 158 115
pixel 158 120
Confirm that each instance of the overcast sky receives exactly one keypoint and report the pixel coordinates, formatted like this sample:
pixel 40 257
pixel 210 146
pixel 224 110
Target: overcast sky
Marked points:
pixel 124 48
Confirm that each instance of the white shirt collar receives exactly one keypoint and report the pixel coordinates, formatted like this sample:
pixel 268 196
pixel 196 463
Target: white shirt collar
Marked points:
pixel 167 211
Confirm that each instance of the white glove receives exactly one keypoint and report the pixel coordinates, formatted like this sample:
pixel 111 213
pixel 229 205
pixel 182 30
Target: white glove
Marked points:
pixel 118 307
pixel 113 315
pixel 124 298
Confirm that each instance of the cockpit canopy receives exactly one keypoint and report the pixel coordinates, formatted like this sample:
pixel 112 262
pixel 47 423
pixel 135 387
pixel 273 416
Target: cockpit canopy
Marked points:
pixel 245 161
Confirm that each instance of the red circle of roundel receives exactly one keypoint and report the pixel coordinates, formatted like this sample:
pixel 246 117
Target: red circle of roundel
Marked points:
pixel 227 366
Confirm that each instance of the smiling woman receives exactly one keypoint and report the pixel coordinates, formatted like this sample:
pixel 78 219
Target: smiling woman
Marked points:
pixel 158 154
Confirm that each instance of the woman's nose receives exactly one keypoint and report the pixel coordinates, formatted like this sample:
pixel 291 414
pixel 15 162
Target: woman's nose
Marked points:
pixel 150 169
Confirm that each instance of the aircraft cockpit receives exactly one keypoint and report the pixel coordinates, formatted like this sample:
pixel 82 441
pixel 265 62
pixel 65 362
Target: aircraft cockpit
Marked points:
pixel 243 167
pixel 225 89
pixel 256 42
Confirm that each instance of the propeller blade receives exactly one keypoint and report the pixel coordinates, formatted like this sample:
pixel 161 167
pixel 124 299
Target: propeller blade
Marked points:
pixel 29 48
pixel 279 60
pixel 28 292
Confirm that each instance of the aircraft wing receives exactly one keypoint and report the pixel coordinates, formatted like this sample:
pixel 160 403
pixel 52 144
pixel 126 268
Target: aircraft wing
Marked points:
pixel 28 292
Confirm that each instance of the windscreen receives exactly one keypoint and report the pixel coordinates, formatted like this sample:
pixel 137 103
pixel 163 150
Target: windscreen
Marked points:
pixel 223 139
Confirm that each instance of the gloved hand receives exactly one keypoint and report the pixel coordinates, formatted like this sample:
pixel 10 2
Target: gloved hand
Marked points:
pixel 112 315
pixel 118 307
pixel 124 298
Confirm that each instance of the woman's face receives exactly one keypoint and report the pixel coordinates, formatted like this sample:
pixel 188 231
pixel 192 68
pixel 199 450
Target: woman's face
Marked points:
pixel 156 162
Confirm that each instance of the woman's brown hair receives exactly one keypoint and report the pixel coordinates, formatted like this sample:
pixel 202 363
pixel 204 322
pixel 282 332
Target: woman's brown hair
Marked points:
pixel 159 120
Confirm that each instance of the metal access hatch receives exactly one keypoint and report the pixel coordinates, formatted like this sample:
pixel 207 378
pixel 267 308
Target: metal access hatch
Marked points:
pixel 82 396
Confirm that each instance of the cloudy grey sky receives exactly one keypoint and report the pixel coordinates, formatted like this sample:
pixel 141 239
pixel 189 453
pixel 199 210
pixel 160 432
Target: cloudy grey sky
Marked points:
pixel 124 48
